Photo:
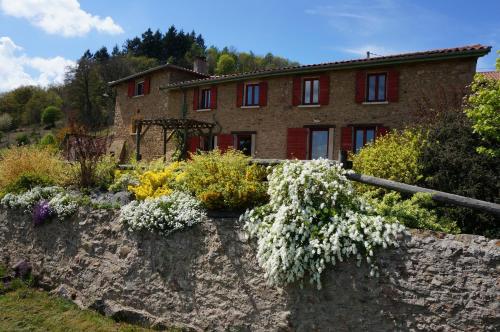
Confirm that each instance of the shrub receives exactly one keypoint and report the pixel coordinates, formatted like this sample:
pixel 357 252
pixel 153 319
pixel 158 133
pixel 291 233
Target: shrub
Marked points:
pixel 32 162
pixel 48 140
pixel 417 212
pixel 50 115
pixel 450 163
pixel 224 180
pixel 483 110
pixel 313 220
pixel 88 150
pixel 5 122
pixel 394 157
pixel 43 203
pixel 163 215
pixel 27 181
pixel 105 171
pixel 157 183
pixel 22 139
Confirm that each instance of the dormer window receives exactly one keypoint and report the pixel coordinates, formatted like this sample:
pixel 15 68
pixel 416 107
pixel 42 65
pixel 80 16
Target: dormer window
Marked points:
pixel 139 88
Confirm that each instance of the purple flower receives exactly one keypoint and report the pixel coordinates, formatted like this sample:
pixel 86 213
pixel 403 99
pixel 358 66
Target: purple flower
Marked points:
pixel 41 212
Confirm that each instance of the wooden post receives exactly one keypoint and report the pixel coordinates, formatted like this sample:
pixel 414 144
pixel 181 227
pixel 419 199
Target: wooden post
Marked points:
pixel 138 129
pixel 164 144
pixel 210 139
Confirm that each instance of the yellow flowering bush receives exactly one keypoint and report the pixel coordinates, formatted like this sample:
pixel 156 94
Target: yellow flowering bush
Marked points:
pixel 224 180
pixel 156 183
pixel 393 157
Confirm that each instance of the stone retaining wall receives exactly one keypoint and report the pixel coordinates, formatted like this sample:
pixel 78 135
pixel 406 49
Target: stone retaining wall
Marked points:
pixel 207 278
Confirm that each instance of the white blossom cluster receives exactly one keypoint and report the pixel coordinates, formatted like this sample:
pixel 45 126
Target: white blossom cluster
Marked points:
pixel 164 214
pixel 314 219
pixel 62 203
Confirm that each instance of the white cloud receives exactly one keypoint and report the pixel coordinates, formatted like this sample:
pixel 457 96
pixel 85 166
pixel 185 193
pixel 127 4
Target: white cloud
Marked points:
pixel 62 17
pixel 15 65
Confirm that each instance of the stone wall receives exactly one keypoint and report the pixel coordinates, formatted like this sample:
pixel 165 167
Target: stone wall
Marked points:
pixel 207 278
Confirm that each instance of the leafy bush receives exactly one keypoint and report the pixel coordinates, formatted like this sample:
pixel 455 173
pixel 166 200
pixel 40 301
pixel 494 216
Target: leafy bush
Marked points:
pixel 48 140
pixel 417 212
pixel 32 162
pixel 313 220
pixel 483 109
pixel 105 171
pixel 157 183
pixel 224 180
pixel 27 181
pixel 450 163
pixel 394 157
pixel 22 139
pixel 50 115
pixel 164 214
pixel 5 122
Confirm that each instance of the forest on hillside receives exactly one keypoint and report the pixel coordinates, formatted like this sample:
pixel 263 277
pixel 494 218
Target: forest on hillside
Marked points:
pixel 85 97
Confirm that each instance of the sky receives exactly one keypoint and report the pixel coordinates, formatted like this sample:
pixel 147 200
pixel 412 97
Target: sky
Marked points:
pixel 39 39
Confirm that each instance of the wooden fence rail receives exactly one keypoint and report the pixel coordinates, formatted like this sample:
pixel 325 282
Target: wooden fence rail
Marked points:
pixel 438 196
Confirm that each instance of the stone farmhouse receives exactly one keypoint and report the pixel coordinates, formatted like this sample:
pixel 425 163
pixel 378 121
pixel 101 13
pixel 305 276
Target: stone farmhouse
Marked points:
pixel 305 112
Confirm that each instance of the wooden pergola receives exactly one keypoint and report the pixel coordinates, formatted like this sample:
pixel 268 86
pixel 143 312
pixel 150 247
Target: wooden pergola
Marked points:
pixel 173 125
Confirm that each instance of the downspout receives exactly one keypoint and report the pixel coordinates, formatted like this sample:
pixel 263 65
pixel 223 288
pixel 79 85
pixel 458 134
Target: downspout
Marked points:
pixel 183 117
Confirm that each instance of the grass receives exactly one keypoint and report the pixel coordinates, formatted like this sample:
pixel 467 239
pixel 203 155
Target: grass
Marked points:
pixel 27 309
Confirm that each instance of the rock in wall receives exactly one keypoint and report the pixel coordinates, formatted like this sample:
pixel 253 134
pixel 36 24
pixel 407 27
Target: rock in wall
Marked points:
pixel 207 278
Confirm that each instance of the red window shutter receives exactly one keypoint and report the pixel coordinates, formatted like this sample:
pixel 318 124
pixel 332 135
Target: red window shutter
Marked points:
pixel 224 142
pixel 213 97
pixel 193 143
pixel 392 86
pixel 263 93
pixel 239 94
pixel 196 98
pixel 382 131
pixel 297 91
pixel 131 88
pixel 360 86
pixel 324 89
pixel 147 85
pixel 346 139
pixel 296 147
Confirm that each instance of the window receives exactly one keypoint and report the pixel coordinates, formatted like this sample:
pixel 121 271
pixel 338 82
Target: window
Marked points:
pixel 252 92
pixel 139 88
pixel 363 136
pixel 376 87
pixel 244 143
pixel 319 143
pixel 205 99
pixel 310 92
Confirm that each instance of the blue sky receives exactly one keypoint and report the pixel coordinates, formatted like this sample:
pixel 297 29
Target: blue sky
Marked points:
pixel 39 38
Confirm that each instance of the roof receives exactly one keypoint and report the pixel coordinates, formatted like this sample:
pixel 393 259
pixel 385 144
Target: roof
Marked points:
pixel 438 54
pixel 154 69
pixel 491 74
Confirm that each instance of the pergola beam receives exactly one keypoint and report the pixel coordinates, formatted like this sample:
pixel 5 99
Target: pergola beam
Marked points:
pixel 169 124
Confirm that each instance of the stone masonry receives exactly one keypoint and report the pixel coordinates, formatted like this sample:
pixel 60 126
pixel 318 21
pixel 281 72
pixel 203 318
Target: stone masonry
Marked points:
pixel 207 279
pixel 428 84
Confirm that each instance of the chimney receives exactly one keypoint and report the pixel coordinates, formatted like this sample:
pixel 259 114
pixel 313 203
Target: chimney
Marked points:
pixel 200 65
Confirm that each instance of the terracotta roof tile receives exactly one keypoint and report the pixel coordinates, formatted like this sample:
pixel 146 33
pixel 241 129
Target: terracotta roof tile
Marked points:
pixel 478 48
pixel 491 74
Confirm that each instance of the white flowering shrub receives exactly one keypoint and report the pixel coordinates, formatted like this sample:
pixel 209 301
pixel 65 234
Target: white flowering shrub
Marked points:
pixel 164 214
pixel 44 202
pixel 27 200
pixel 314 219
